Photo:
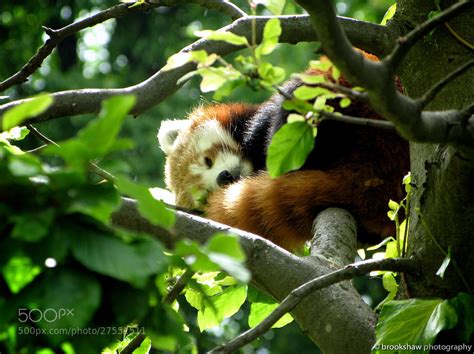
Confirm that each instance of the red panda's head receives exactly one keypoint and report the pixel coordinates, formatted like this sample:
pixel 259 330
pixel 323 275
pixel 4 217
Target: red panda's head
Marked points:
pixel 201 154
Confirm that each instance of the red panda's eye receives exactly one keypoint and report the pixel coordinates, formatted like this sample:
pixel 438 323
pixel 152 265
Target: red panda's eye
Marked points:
pixel 208 162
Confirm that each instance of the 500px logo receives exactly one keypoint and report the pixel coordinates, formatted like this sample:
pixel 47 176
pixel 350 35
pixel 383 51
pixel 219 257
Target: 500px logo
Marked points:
pixel 49 315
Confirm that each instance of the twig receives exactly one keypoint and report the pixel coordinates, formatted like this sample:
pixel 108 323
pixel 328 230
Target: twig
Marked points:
pixel 357 95
pixel 433 91
pixel 294 298
pixel 223 6
pixel 134 344
pixel 178 286
pixel 376 123
pixel 92 166
pixel 41 136
pixel 341 117
pixel 405 43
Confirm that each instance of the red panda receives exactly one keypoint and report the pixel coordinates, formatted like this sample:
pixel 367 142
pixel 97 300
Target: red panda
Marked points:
pixel 216 162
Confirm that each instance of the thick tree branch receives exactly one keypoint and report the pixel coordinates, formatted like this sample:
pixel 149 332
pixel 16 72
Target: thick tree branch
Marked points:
pixel 296 296
pixel 407 42
pixel 279 272
pixel 335 236
pixel 161 85
pixel 451 127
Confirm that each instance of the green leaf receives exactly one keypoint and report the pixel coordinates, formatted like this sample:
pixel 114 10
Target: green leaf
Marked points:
pixel 393 205
pixel 391 250
pixel 221 306
pixel 259 311
pixel 179 59
pixel 445 264
pixel 322 65
pixel 211 79
pixel 69 290
pixel 98 138
pixel 98 201
pixel 389 284
pixel 306 93
pixel 271 75
pixel 275 6
pixel 150 208
pixel 226 244
pixel 109 255
pixel 15 133
pixel 293 117
pixel 289 148
pixel 389 14
pixel 19 272
pixel 32 227
pixel 222 252
pixel 101 133
pixel 30 108
pixel 271 34
pixel 261 307
pixel 463 304
pixel 25 165
pixel 345 102
pixel 228 37
pixel 413 321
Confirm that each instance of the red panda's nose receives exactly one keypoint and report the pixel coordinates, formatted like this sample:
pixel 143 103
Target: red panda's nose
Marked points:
pixel 224 178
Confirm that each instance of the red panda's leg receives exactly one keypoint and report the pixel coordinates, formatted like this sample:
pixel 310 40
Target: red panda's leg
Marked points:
pixel 283 209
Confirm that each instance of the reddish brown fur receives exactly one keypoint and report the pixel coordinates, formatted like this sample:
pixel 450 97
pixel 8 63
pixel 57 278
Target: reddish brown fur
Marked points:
pixel 357 168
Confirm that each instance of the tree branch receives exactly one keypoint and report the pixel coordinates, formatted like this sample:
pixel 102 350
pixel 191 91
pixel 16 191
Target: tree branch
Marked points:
pixel 278 272
pixel 225 7
pixel 158 87
pixel 377 77
pixel 335 236
pixel 356 120
pixel 296 296
pixel 407 42
pixel 178 286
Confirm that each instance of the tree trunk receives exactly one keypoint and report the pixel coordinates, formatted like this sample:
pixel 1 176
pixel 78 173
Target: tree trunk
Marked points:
pixel 443 197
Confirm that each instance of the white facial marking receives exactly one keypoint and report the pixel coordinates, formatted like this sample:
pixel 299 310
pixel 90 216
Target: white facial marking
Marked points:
pixel 211 134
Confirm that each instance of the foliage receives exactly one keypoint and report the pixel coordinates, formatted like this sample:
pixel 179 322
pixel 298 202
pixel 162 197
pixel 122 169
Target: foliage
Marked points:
pixel 61 258
pixel 417 322
pixel 66 269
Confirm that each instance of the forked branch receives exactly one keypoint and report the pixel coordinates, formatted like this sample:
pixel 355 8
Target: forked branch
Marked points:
pixel 377 78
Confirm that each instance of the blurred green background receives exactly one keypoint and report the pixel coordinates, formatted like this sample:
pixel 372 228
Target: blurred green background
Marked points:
pixel 126 51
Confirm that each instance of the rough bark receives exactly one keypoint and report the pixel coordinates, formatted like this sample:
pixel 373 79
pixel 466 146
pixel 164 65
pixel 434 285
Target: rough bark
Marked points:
pixel 324 315
pixel 443 177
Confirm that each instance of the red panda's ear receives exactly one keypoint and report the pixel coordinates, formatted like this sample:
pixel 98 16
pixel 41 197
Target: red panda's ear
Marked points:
pixel 169 131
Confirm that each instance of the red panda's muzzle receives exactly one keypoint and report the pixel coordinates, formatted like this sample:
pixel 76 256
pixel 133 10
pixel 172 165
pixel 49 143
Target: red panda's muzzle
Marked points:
pixel 225 177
